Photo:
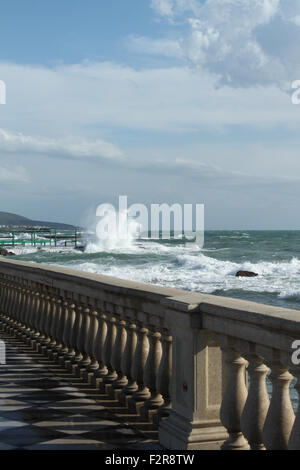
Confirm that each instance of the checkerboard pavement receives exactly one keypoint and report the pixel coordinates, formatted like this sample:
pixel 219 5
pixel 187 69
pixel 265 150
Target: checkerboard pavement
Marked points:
pixel 43 406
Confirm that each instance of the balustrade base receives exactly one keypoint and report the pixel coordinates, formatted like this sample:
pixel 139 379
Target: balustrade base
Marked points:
pixel 53 355
pixel 104 388
pixel 236 442
pixel 124 399
pixel 44 349
pixel 116 395
pixel 80 372
pixel 61 361
pixel 67 365
pixel 147 414
pixel 175 433
pixel 134 406
pixel 95 381
pixel 161 413
pixel 87 376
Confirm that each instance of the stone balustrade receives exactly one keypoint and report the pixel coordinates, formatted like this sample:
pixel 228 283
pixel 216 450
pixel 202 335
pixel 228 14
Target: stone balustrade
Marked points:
pixel 195 365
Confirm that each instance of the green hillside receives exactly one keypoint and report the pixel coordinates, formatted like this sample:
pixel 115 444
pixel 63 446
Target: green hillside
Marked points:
pixel 9 219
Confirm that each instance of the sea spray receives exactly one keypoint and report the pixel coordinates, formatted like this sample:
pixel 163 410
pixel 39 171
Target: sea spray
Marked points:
pixel 121 234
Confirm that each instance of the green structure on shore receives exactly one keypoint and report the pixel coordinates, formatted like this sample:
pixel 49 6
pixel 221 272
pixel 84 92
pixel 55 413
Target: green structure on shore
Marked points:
pixel 39 237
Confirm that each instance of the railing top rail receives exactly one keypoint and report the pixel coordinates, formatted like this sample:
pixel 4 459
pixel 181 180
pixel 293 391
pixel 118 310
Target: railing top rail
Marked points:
pixel 52 275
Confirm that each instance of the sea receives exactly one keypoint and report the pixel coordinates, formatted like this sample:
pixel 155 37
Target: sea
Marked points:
pixel 273 255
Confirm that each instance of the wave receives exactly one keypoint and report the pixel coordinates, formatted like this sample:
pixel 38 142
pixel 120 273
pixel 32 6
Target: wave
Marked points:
pixel 173 263
pixel 263 268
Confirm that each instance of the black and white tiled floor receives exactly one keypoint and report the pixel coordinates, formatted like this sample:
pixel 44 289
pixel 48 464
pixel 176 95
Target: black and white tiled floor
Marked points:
pixel 42 406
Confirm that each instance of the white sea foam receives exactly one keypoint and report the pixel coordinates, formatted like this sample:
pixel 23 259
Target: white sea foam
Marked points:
pixel 28 249
pixel 203 273
pixel 181 265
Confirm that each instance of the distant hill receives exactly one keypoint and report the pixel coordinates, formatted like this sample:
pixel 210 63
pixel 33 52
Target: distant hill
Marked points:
pixel 14 220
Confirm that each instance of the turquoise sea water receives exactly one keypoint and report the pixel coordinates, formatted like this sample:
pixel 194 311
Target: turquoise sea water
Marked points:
pixel 274 255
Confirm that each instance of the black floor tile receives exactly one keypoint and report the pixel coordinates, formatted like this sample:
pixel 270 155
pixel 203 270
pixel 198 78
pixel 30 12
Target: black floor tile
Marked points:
pixel 57 413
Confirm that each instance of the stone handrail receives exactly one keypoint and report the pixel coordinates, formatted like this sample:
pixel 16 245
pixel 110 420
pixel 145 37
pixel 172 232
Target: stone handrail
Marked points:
pixel 194 364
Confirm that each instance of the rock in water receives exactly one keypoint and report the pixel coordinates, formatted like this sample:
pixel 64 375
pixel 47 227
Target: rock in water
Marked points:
pixel 246 274
pixel 80 248
pixel 4 252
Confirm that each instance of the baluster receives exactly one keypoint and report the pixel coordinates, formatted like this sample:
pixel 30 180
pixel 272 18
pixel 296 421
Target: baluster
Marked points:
pixel 141 355
pixel 14 320
pixel 164 375
pixel 27 315
pixel 128 359
pixel 257 404
pixel 108 350
pixel 41 316
pixel 294 441
pixel 77 339
pixel 59 330
pixel 4 303
pixel 4 295
pixel 53 326
pixel 117 355
pixel 35 319
pixel 234 400
pixel 48 320
pixel 19 308
pixel 9 302
pixel 4 292
pixel 280 417
pixel 24 299
pixel 44 339
pixel 13 317
pixel 68 334
pixel 4 300
pixel 3 285
pixel 151 370
pixel 86 360
pixel 100 344
pixel 7 306
pixel 94 365
pixel 65 331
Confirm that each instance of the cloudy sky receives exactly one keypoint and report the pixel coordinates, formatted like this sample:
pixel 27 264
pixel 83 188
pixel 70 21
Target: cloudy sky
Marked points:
pixel 185 101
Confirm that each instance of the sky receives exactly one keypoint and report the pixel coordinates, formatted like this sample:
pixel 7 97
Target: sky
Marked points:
pixel 165 101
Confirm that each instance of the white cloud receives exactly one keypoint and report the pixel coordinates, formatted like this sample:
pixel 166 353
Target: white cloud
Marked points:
pixel 93 100
pixel 163 7
pixel 16 174
pixel 244 43
pixel 167 47
pixel 171 8
pixel 75 111
pixel 73 147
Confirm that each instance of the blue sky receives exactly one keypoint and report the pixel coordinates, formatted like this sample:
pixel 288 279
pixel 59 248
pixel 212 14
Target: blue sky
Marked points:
pixel 47 32
pixel 161 100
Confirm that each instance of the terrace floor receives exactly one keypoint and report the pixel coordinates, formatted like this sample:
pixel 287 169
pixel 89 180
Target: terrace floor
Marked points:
pixel 43 406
